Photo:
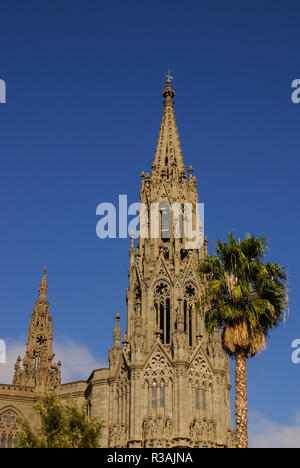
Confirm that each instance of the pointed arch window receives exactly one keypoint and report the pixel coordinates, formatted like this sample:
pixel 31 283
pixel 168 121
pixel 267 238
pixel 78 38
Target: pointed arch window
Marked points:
pixel 163 311
pixel 190 295
pixel 162 394
pixel 203 399
pixel 154 395
pixel 165 222
pixel 197 396
pixel 9 429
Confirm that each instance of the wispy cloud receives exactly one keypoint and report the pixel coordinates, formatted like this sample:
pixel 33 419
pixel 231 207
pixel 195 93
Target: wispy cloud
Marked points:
pixel 14 348
pixel 265 433
pixel 77 360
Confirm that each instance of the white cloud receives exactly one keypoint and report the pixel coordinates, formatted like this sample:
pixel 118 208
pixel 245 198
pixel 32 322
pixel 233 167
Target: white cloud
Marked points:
pixel 14 348
pixel 77 360
pixel 264 433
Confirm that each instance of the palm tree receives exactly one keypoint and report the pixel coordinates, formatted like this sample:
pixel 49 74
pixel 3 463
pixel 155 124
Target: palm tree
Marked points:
pixel 244 299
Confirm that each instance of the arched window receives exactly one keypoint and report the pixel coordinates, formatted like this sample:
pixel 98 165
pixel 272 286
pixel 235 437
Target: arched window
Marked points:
pixel 197 396
pixel 189 318
pixel 3 440
pixel 137 293
pixel 162 394
pixel 162 307
pixel 203 399
pixel 166 253
pixel 165 222
pixel 154 395
pixel 9 429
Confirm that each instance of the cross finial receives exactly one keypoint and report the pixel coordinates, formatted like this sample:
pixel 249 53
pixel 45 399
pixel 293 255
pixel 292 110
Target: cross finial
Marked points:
pixel 168 76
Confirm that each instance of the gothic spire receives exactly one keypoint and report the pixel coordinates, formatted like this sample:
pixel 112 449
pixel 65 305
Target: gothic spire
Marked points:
pixel 43 286
pixel 168 160
pixel 117 333
pixel 38 368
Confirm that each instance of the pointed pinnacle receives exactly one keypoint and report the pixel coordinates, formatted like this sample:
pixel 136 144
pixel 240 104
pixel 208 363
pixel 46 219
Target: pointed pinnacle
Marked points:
pixel 43 286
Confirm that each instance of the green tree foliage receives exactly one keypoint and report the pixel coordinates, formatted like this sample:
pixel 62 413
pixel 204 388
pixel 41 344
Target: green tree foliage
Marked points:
pixel 63 425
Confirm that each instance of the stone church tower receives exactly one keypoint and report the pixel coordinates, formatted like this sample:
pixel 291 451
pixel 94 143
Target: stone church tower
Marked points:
pixel 167 384
pixel 39 371
pixel 32 376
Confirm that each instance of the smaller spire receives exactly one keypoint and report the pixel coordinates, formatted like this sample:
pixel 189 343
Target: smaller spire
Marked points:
pixel 43 286
pixel 117 333
pixel 132 240
pixel 132 249
pixel 191 170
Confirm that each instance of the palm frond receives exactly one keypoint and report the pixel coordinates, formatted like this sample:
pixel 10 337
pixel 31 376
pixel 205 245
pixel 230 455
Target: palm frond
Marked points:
pixel 243 297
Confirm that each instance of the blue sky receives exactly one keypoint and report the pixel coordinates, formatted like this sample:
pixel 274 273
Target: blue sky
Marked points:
pixel 84 82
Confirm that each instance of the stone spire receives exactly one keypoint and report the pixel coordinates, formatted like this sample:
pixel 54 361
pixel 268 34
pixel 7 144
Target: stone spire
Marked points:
pixel 115 352
pixel 168 160
pixel 131 250
pixel 43 286
pixel 39 371
pixel 117 333
pixel 162 386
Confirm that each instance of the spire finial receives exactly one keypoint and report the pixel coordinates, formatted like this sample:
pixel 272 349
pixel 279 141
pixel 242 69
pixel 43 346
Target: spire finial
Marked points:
pixel 191 170
pixel 43 286
pixel 168 76
pixel 132 249
pixel 168 92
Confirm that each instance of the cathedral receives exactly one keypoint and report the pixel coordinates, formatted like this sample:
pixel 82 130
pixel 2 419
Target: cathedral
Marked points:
pixel 167 384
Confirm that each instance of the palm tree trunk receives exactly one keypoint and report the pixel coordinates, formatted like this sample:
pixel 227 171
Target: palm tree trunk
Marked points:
pixel 241 406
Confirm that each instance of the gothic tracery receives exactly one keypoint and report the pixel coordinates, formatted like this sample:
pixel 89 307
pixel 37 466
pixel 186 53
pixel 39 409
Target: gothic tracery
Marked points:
pixel 9 429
